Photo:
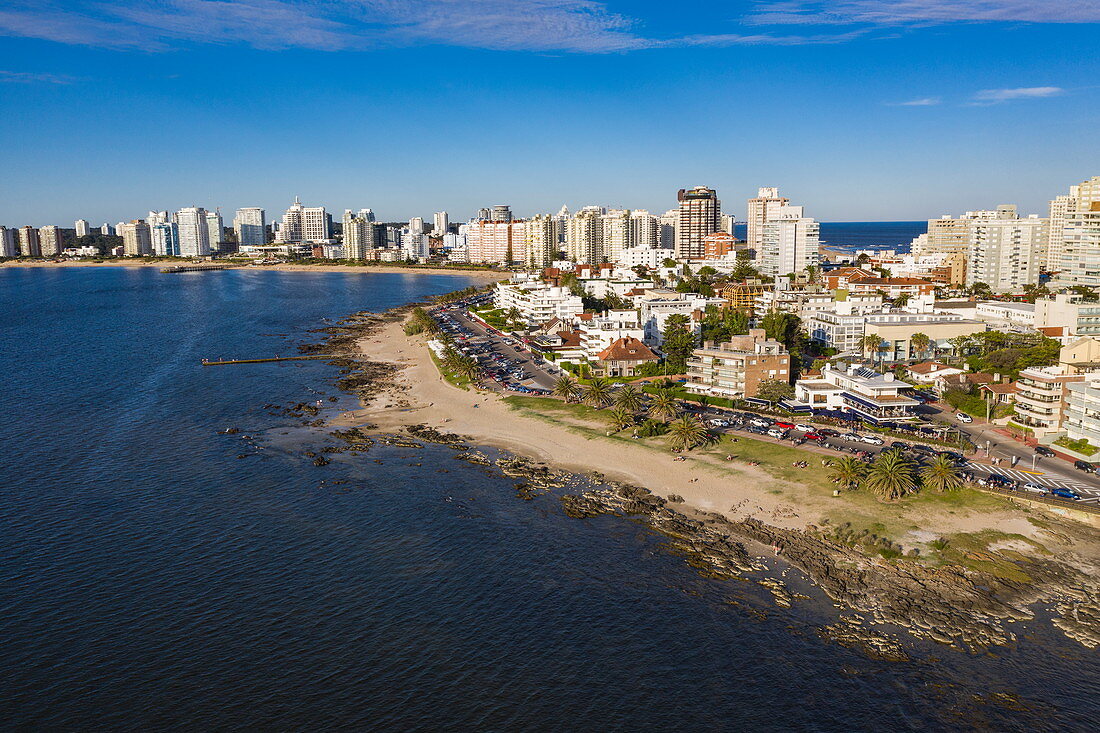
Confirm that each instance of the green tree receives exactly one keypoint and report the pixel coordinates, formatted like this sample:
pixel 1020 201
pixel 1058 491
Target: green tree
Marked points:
pixel 663 405
pixel 597 393
pixel 786 328
pixel 920 343
pixel 892 476
pixel 847 471
pixel 941 475
pixel 774 390
pixel 567 388
pixel 902 300
pixel 959 344
pixel 621 418
pixel 871 344
pixel 629 398
pixel 687 431
pixel 514 317
pixel 678 343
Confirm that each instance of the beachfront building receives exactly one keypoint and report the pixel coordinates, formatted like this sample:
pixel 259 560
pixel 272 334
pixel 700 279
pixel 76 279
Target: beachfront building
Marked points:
pixel 584 236
pixel 537 302
pixel 50 240
pixel 250 225
pixel 164 238
pixel 735 368
pixel 496 242
pixel 360 234
pixel 858 390
pixel 761 210
pixel 597 332
pixel 216 230
pixel 9 246
pixel 136 239
pixel 1073 251
pixel 789 243
pixel 1082 410
pixel 1005 251
pixel 305 224
pixel 28 242
pixel 194 235
pixel 1041 396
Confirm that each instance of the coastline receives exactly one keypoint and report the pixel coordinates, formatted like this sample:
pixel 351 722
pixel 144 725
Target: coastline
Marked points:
pixel 712 509
pixel 485 275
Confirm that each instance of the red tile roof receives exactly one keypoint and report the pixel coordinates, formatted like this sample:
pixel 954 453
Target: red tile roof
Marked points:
pixel 627 349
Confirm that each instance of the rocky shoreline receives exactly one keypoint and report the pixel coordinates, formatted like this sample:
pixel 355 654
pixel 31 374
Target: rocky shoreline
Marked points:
pixel 960 607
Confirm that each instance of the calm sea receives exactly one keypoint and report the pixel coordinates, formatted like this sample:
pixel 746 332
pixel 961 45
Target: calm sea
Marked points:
pixel 155 574
pixel 852 235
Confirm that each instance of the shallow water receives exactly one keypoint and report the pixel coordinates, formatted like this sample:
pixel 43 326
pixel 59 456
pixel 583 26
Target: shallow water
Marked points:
pixel 150 578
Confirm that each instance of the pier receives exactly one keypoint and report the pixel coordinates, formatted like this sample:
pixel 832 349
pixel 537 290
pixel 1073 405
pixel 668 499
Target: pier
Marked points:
pixel 197 268
pixel 222 362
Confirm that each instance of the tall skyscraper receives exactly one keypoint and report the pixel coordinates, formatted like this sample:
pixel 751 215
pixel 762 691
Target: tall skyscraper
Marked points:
pixel 643 229
pixel 416 225
pixel 1074 232
pixel 136 239
pixel 305 224
pixel 496 242
pixel 789 242
pixel 194 232
pixel 761 210
pixel 50 241
pixel 1006 251
pixel 441 223
pixel 9 246
pixel 107 230
pixel 28 242
pixel 215 230
pixel 165 239
pixel 584 236
pixel 700 215
pixel 83 228
pixel 359 234
pixel 250 224
pixel 540 240
pixel 617 234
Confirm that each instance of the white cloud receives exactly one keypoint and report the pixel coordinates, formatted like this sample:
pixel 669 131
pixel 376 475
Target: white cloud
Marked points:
pixel 32 77
pixel 922 102
pixel 992 96
pixel 908 12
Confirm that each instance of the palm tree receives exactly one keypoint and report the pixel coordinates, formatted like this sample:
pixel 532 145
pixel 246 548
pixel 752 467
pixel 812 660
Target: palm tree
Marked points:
pixel 919 342
pixel 630 398
pixel 847 472
pixel 687 432
pixel 514 317
pixel 621 418
pixel 470 368
pixel 892 476
pixel 663 406
pixel 598 393
pixel 567 388
pixel 941 475
pixel 870 343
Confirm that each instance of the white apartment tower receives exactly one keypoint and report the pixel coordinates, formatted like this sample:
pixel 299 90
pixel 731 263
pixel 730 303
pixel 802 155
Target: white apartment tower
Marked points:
pixel 1074 249
pixel 83 228
pixel 250 224
pixel 305 224
pixel 216 229
pixel 700 216
pixel 1005 251
pixel 584 236
pixel 441 222
pixel 416 225
pixel 761 210
pixel 107 230
pixel 137 240
pixel 358 234
pixel 643 229
pixel 194 232
pixel 789 242
pixel 164 238
pixel 50 241
pixel 540 235
pixel 8 245
pixel 616 234
pixel 28 242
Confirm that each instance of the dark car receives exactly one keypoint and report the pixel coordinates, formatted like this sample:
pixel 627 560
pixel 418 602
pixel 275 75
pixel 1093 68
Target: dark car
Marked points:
pixel 828 431
pixel 996 479
pixel 955 457
pixel 1044 451
pixel 1066 494
pixel 900 445
pixel 921 448
pixel 1084 466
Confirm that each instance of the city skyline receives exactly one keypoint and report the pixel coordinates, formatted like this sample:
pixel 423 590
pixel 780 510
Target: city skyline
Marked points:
pixel 871 111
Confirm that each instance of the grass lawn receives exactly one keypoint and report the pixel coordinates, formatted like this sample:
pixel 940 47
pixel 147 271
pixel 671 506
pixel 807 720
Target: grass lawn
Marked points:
pixel 453 378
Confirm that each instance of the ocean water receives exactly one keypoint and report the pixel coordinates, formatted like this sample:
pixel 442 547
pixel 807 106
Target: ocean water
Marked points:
pixel 155 574
pixel 852 235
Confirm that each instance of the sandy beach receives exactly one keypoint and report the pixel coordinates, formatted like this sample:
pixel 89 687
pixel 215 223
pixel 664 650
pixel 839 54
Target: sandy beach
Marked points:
pixel 484 276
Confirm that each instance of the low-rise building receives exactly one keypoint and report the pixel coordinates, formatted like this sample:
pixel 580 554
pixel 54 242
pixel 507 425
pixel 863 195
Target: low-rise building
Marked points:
pixel 537 302
pixel 1041 394
pixel 859 390
pixel 927 371
pixel 657 305
pixel 622 358
pixel 1000 314
pixel 1082 413
pixel 897 329
pixel 735 368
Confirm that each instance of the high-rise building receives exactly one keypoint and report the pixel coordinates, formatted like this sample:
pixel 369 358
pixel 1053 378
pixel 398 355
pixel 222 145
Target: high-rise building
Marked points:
pixel 305 224
pixel 584 236
pixel 416 225
pixel 643 229
pixel 667 223
pixel 496 242
pixel 540 234
pixel 441 223
pixel 165 239
pixel 250 224
pixel 617 233
pixel 158 217
pixel 50 241
pixel 215 230
pixel 483 215
pixel 107 230
pixel 728 223
pixel 1005 251
pixel 1074 250
pixel 761 210
pixel 9 246
pixel 83 228
pixel 28 242
pixel 194 232
pixel 359 234
pixel 789 243
pixel 414 245
pixel 136 239
pixel 500 212
pixel 700 215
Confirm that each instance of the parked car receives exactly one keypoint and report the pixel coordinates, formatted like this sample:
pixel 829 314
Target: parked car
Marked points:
pixel 1084 466
pixel 777 433
pixel 872 440
pixel 963 418
pixel 1044 451
pixel 760 422
pixel 785 425
pixel 921 448
pixel 900 445
pixel 1066 494
pixel 996 479
pixel 850 436
pixel 814 436
pixel 804 428
pixel 829 432
pixel 1034 488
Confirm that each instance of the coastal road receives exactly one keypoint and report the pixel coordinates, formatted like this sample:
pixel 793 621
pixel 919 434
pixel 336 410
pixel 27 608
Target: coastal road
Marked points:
pixel 537 374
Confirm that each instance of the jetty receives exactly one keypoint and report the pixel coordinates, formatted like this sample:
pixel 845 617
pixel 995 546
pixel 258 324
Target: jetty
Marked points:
pixel 197 268
pixel 222 362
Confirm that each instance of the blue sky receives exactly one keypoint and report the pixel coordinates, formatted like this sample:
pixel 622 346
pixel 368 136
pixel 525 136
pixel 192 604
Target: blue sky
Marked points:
pixel 858 109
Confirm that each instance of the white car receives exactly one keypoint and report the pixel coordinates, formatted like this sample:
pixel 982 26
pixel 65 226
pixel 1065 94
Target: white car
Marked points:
pixel 872 439
pixel 964 418
pixel 1034 488
pixel 804 428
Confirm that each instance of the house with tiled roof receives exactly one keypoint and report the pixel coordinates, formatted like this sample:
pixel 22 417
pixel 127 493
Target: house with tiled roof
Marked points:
pixel 623 357
pixel 927 371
